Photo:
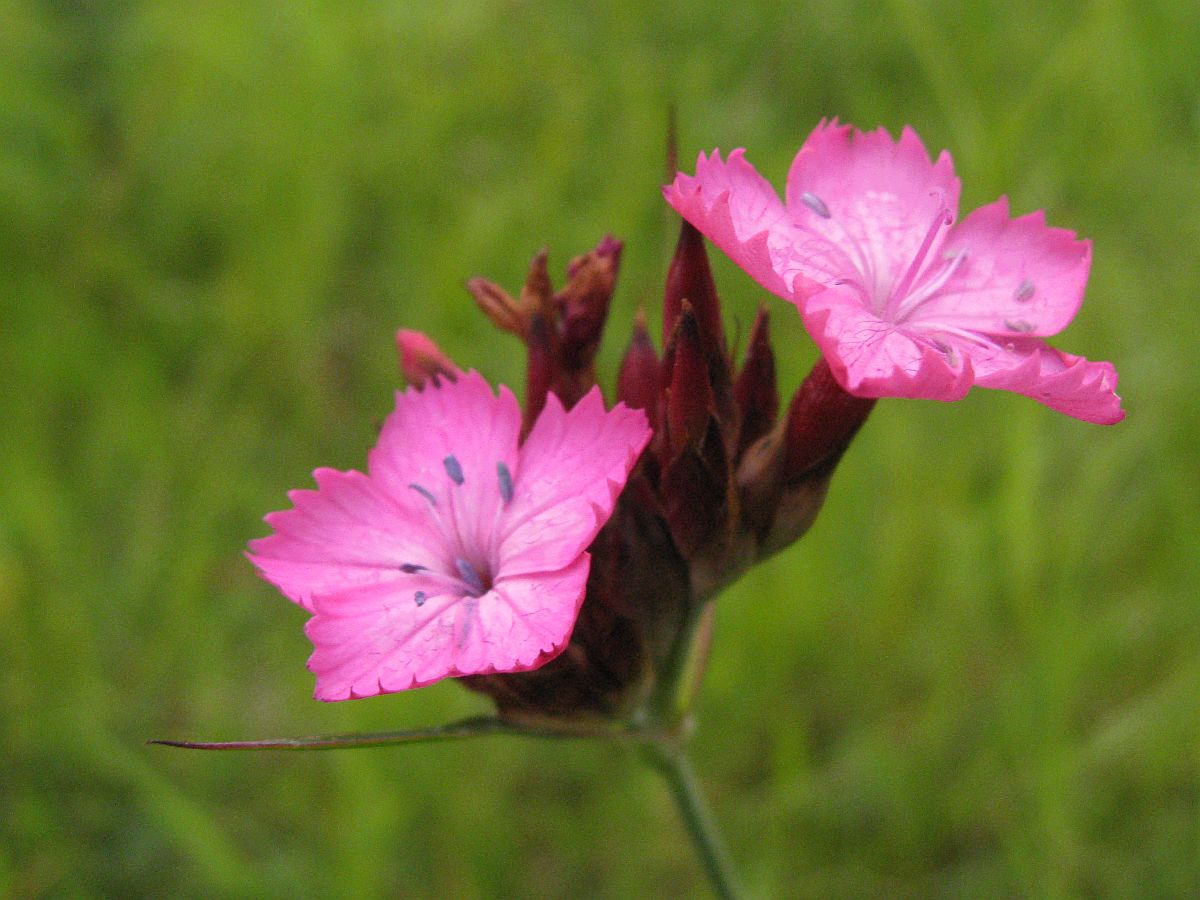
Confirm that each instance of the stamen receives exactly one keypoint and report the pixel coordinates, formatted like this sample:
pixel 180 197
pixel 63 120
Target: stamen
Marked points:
pixel 424 493
pixel 467 572
pixel 816 204
pixel 949 352
pixel 506 484
pixel 941 218
pixel 1018 325
pixel 930 288
pixel 412 568
pixel 453 469
pixel 468 619
pixel 1024 293
pixel 419 598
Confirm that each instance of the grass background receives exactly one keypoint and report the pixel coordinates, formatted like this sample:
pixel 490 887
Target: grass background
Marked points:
pixel 979 675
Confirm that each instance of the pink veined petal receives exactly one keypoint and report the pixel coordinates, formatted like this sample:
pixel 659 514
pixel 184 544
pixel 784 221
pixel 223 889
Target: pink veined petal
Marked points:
pixel 873 358
pixel 736 209
pixel 1019 276
pixel 376 640
pixel 1069 384
pixel 573 466
pixel 433 428
pixel 345 534
pixel 881 196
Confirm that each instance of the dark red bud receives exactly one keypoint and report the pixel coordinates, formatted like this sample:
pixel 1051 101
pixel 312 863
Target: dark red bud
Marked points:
pixel 690 278
pixel 690 398
pixel 637 381
pixel 821 421
pixel 755 391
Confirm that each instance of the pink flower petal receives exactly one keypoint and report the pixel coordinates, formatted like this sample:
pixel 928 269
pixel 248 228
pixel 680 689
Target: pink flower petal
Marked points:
pixel 1019 276
pixel 345 534
pixel 881 196
pixel 376 640
pixel 1069 384
pixel 459 553
pixel 900 304
pixel 573 465
pixel 873 358
pixel 738 210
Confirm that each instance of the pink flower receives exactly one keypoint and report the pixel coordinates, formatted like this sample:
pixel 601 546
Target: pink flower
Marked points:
pixel 459 552
pixel 903 300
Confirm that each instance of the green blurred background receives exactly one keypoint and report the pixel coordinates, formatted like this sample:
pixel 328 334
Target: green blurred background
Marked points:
pixel 979 674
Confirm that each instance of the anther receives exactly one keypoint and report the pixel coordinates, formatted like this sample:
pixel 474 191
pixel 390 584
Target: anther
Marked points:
pixel 453 469
pixel 467 573
pixel 1019 325
pixel 506 484
pixel 424 493
pixel 412 568
pixel 816 204
pixel 1024 292
pixel 949 352
pixel 419 598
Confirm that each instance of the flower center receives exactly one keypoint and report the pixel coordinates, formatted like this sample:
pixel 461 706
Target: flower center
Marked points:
pixel 466 570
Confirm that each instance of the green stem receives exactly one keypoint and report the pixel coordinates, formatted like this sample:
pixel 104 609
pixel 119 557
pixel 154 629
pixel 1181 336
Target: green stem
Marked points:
pixel 673 765
pixel 680 672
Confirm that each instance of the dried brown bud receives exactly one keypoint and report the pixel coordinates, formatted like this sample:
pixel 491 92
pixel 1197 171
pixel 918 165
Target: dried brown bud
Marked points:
pixel 583 304
pixel 497 305
pixel 537 292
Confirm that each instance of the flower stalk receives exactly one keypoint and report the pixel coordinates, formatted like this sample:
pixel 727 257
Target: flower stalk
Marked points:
pixel 670 761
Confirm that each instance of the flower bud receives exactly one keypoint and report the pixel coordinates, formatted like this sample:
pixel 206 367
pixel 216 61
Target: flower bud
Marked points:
pixel 821 421
pixel 690 278
pixel 637 381
pixel 754 391
pixel 690 397
pixel 421 359
pixel 582 309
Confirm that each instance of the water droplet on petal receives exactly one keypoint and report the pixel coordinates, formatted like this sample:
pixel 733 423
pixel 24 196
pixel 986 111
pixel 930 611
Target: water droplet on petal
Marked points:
pixel 1024 292
pixel 419 598
pixel 1019 325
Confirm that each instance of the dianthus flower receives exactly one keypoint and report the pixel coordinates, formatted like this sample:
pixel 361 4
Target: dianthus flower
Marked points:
pixel 902 299
pixel 462 550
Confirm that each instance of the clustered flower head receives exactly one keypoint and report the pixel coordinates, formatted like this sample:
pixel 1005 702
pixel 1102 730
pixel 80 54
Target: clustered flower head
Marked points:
pixel 561 558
